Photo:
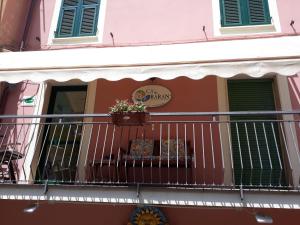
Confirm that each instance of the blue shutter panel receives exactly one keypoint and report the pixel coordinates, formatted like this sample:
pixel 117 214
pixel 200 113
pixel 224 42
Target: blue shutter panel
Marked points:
pixel 231 12
pixel 67 23
pixel 254 95
pixel 244 12
pixel 258 12
pixel 78 18
pixel 89 16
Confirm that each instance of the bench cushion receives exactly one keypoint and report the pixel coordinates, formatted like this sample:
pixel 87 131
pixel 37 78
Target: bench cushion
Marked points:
pixel 141 148
pixel 170 146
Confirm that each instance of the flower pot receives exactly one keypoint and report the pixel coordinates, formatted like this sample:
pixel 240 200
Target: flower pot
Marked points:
pixel 129 118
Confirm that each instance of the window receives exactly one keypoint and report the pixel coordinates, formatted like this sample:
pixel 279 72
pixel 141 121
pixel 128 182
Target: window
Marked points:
pixel 78 18
pixel 244 12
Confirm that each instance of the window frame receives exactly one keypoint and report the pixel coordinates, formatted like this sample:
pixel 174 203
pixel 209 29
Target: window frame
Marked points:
pixel 77 22
pixel 274 27
pixel 74 40
pixel 244 10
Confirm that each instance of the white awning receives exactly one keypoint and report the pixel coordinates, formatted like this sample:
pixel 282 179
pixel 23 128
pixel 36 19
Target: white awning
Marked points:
pixel 255 58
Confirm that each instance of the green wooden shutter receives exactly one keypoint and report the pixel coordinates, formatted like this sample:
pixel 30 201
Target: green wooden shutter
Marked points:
pixel 244 12
pixel 255 145
pixel 67 19
pixel 89 16
pixel 78 18
pixel 230 12
pixel 258 12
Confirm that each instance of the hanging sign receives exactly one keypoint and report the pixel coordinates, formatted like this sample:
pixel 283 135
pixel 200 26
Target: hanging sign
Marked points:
pixel 147 215
pixel 152 95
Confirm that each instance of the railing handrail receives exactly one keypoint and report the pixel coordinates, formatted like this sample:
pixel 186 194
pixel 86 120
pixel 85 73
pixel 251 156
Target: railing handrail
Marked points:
pixel 93 115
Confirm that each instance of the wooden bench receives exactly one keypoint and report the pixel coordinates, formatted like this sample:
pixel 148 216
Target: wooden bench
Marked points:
pixel 157 159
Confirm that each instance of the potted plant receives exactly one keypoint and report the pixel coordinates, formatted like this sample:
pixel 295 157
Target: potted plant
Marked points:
pixel 125 113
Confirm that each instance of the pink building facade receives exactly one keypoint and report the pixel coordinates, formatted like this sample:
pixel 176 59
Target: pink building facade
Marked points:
pixel 221 82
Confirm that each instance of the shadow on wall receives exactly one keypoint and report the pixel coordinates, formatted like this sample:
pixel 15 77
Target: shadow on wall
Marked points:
pixel 33 32
pixel 294 86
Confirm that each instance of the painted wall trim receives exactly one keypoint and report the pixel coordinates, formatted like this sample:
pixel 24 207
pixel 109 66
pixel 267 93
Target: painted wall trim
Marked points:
pixel 245 30
pixel 154 196
pixel 77 40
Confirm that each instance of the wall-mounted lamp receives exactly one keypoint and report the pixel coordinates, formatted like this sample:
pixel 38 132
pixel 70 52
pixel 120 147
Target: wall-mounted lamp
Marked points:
pixel 31 208
pixel 292 23
pixel 204 31
pixel 152 79
pixel 261 218
pixel 112 38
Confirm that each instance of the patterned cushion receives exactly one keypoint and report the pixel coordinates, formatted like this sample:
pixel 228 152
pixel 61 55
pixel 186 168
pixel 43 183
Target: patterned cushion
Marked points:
pixel 141 148
pixel 173 148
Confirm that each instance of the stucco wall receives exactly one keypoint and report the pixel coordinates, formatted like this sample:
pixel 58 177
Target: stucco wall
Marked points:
pixel 144 22
pixel 98 214
pixel 13 14
pixel 187 96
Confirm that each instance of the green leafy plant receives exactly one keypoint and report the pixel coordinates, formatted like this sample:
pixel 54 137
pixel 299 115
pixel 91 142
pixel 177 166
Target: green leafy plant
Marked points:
pixel 126 106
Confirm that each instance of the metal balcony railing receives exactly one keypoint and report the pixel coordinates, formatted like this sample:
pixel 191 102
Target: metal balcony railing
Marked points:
pixel 229 149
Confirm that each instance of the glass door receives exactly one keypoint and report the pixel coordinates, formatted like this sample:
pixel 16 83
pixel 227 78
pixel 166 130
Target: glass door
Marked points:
pixel 60 145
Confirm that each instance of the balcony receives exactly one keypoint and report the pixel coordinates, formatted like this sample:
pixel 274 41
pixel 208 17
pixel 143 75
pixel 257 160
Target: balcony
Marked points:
pixel 251 150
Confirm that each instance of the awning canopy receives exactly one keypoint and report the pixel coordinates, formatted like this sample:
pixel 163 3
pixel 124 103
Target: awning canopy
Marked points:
pixel 255 58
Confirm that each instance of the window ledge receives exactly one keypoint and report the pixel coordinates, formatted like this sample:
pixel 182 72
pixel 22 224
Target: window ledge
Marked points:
pixel 253 29
pixel 75 40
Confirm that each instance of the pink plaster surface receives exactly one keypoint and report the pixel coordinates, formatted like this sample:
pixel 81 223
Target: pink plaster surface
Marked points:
pixel 50 213
pixel 143 22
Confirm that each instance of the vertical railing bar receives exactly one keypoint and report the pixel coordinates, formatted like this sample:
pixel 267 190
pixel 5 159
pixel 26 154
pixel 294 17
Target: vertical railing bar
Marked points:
pixel 6 147
pixel 240 153
pixel 65 148
pixel 259 154
pixel 25 151
pixel 103 149
pixel 118 157
pixel 212 151
pixel 160 145
pixel 127 150
pixel 185 153
pixel 90 138
pixel 294 141
pixel 15 145
pixel 16 149
pixel 177 155
pixel 81 142
pixel 57 145
pixel 3 138
pixel 230 152
pixel 151 162
pixel 168 153
pixel 96 144
pixel 93 169
pixel 80 150
pixel 249 151
pixel 35 149
pixel 49 150
pixel 222 150
pixel 203 153
pixel 40 155
pixel 287 151
pixel 73 145
pixel 278 154
pixel 111 150
pixel 269 155
pixel 193 157
pixel 88 150
pixel 142 166
pixel 134 159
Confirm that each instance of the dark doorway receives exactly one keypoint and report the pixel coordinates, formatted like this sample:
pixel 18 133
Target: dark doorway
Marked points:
pixel 60 145
pixel 256 148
